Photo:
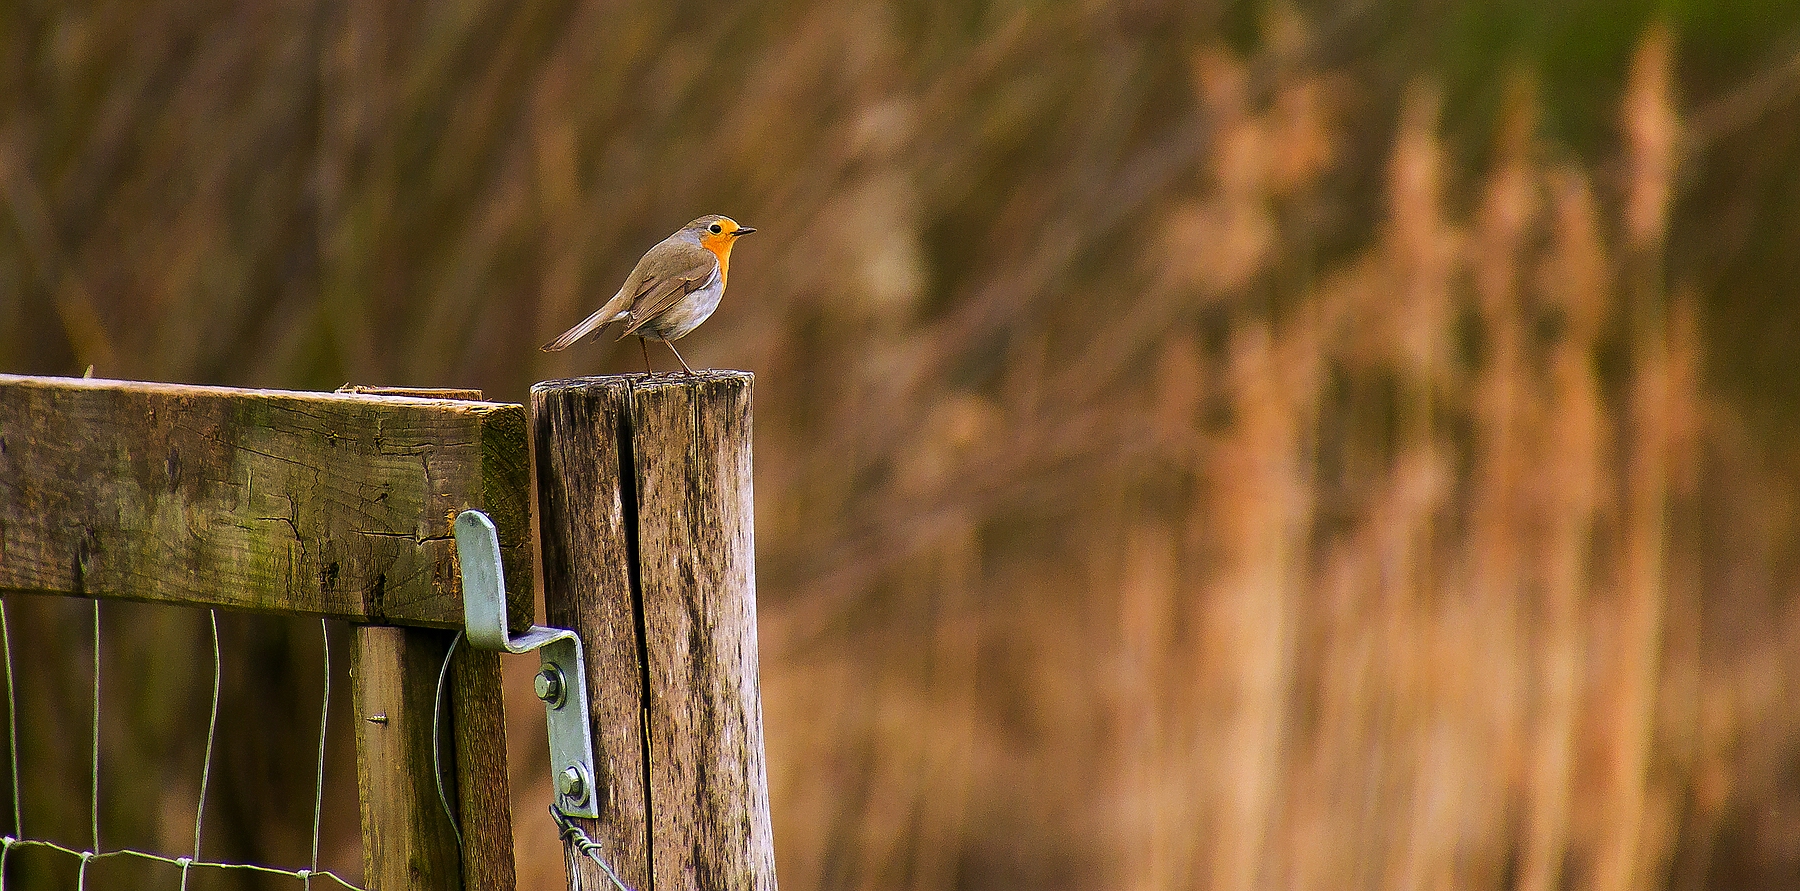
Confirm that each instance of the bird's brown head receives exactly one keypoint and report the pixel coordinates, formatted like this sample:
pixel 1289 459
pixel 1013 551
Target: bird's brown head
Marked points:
pixel 718 234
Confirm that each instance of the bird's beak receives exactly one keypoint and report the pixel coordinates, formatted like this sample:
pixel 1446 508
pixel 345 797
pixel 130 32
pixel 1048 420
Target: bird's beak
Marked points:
pixel 742 230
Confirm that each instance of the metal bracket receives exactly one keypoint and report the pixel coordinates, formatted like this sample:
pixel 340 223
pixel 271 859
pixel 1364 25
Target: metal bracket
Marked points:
pixel 562 678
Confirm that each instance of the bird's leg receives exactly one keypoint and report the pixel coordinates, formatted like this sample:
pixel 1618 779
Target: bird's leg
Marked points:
pixel 684 365
pixel 646 348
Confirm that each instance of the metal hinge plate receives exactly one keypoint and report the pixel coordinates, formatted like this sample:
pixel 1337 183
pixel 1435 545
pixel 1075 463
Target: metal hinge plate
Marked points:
pixel 562 673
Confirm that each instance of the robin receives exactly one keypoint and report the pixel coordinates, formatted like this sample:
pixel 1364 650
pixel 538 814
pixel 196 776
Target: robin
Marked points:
pixel 672 290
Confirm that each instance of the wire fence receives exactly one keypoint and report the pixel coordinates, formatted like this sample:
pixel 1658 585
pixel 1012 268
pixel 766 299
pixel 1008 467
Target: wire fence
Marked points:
pixel 20 840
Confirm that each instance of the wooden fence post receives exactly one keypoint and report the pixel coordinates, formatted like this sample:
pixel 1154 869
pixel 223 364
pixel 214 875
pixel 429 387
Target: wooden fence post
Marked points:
pixel 408 841
pixel 644 493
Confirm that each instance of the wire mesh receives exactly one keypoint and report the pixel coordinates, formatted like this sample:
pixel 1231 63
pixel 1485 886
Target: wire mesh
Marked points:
pixel 18 840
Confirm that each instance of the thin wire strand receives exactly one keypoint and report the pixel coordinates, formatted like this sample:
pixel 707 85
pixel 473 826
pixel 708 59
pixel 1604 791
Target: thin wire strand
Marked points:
pixel 12 736
pixel 90 856
pixel 319 782
pixel 9 842
pixel 94 776
pixel 212 724
pixel 574 835
pixel 437 769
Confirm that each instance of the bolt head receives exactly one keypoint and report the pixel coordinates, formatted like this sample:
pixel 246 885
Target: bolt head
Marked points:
pixel 571 784
pixel 549 685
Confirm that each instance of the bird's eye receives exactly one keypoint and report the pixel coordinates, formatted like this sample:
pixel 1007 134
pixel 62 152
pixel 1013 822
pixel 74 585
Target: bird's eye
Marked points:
pixel 716 228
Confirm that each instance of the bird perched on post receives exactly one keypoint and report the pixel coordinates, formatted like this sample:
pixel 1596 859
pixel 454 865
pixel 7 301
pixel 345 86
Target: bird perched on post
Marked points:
pixel 672 290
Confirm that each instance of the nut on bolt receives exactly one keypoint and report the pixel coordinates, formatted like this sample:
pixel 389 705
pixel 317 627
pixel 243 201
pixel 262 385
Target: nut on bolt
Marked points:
pixel 549 685
pixel 571 783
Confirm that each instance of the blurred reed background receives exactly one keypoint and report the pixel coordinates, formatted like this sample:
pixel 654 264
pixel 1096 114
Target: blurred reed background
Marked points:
pixel 1214 445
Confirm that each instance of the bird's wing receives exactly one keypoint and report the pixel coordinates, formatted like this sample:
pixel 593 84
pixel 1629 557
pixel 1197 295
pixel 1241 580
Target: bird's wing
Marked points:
pixel 664 275
pixel 687 271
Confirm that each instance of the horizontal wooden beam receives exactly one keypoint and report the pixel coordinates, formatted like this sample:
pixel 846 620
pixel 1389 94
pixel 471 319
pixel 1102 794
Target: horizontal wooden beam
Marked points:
pixel 329 504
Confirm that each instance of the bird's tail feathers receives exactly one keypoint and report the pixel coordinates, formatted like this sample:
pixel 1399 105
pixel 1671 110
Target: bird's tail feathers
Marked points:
pixel 588 326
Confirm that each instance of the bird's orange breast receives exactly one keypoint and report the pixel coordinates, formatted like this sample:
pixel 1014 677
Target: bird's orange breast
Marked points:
pixel 720 245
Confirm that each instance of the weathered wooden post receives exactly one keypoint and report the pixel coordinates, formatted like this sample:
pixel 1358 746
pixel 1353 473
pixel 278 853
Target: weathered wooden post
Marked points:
pixel 408 842
pixel 646 520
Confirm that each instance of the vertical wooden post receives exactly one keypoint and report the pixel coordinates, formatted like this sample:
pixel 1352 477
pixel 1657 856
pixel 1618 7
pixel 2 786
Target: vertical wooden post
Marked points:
pixel 408 842
pixel 585 501
pixel 644 493
pixel 483 797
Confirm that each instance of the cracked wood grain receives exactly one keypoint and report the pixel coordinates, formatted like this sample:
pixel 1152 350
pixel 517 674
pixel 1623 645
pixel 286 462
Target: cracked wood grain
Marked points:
pixel 644 485
pixel 335 505
pixel 408 843
pixel 588 587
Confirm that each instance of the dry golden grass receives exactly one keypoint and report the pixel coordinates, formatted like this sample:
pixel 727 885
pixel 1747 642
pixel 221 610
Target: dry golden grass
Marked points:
pixel 1378 579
